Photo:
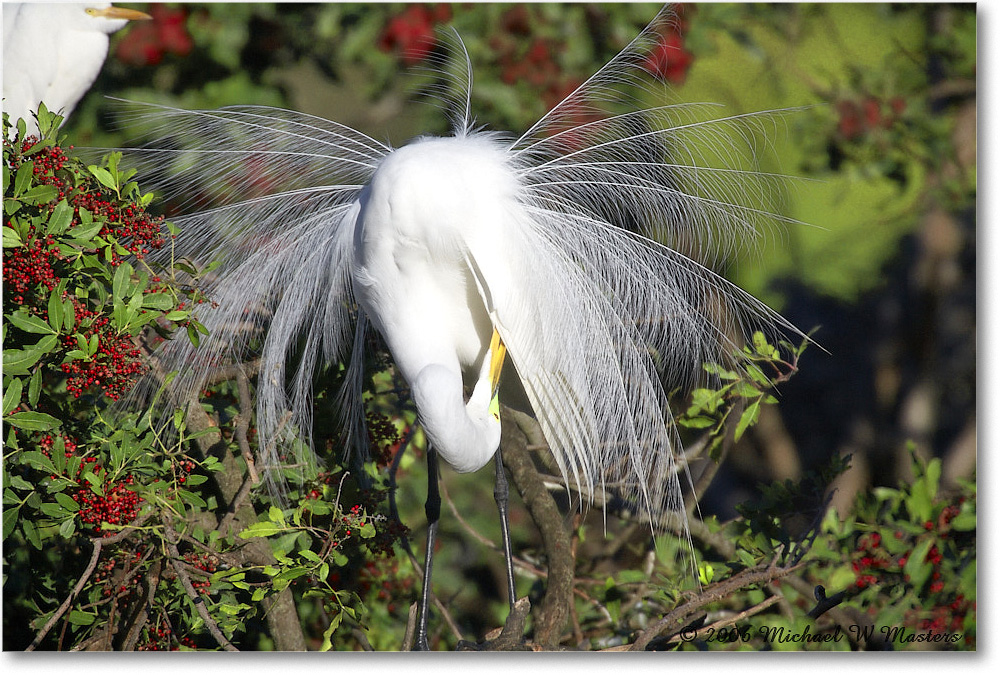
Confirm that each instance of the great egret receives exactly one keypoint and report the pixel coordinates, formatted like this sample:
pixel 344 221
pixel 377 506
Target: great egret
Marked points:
pixel 456 248
pixel 54 52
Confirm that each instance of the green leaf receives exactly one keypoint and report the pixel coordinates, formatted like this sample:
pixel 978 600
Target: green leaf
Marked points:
pixel 85 233
pixel 161 301
pixel 94 482
pixel 45 345
pixel 67 502
pixel 33 421
pixel 34 387
pixel 120 284
pixel 61 218
pixel 104 177
pixel 19 483
pixel 37 460
pixel 192 334
pixel 263 529
pixel 310 555
pixel 28 323
pixel 69 315
pixel 706 572
pixel 68 528
pixel 191 498
pixel 745 389
pixel 964 522
pixel 31 533
pixel 56 308
pixel 78 618
pixel 23 178
pixel 747 419
pixel 54 511
pixel 722 373
pixel 19 361
pixel 696 422
pixel 10 520
pixel 916 566
pixel 40 194
pixel 11 239
pixel 12 395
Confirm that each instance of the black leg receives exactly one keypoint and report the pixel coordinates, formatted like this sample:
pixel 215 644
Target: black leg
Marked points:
pixel 501 493
pixel 432 507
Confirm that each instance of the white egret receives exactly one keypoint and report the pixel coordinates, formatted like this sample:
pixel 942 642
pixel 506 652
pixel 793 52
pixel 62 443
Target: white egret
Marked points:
pixel 54 52
pixel 456 248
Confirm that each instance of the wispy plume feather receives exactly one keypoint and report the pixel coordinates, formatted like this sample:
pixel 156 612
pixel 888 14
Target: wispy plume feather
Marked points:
pixel 620 210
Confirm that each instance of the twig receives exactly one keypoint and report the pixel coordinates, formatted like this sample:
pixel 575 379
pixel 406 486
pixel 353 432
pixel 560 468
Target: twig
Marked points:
pixel 95 554
pixel 718 591
pixel 199 602
pixel 411 627
pixel 445 614
pixel 98 543
pixel 152 581
pixel 750 611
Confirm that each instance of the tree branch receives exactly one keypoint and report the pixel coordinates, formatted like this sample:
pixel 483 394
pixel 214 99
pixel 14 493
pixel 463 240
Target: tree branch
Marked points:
pixel 95 554
pixel 518 431
pixel 199 602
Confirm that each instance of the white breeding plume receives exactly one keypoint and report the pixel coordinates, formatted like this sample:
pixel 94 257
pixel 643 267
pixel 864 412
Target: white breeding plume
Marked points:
pixel 455 247
pixel 54 52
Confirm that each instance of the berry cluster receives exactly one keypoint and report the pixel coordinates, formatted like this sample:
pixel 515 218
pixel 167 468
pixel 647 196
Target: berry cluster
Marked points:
pixel 410 34
pixel 873 558
pixel 860 117
pixel 135 230
pixel 183 469
pixel 384 438
pixel 47 443
pixel 32 271
pixel 25 268
pixel 205 562
pixel 125 582
pixel 534 63
pixel 118 505
pixel 382 577
pixel 114 365
pixel 945 618
pixel 884 563
pixel 148 41
pixel 161 638
pixel 669 61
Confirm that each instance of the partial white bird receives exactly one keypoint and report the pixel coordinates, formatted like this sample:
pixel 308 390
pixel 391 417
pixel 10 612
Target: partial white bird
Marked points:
pixel 456 248
pixel 54 52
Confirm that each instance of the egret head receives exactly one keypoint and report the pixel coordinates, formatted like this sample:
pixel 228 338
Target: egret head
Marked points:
pixel 104 17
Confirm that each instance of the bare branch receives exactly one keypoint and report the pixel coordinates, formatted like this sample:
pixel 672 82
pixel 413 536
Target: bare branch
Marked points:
pixel 95 554
pixel 199 602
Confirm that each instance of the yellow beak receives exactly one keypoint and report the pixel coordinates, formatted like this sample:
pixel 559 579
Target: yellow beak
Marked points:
pixel 120 13
pixel 497 352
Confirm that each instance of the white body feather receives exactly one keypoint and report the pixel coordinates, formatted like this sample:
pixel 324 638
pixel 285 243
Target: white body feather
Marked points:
pixel 444 239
